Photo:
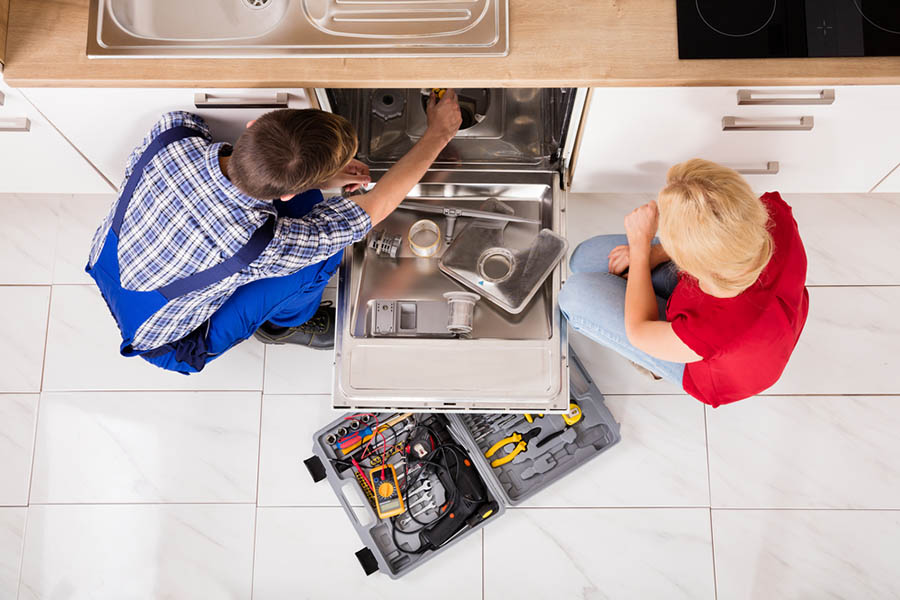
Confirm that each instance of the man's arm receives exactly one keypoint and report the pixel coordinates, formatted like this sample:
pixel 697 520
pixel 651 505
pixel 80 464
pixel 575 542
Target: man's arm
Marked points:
pixel 642 325
pixel 444 120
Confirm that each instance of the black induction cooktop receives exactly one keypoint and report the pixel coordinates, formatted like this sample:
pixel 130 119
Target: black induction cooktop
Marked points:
pixel 788 28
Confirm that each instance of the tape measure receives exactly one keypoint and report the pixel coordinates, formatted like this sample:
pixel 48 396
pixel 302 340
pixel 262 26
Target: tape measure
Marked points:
pixel 573 415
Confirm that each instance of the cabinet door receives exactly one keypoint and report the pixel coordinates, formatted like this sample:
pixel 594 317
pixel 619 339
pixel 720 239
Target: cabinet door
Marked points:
pixel 106 124
pixel 35 158
pixel 633 135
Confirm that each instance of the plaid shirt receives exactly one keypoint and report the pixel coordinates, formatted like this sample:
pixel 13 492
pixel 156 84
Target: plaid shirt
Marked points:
pixel 186 216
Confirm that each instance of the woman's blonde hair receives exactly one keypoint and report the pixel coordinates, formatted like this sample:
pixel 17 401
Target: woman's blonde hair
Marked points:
pixel 713 226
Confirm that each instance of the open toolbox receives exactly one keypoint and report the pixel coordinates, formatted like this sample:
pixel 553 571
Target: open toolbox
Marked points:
pixel 427 481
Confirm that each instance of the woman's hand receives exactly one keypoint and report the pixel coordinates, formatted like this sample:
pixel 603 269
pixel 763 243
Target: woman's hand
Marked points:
pixel 352 177
pixel 620 259
pixel 640 227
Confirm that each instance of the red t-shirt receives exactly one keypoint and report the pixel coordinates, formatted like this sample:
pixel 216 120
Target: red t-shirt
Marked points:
pixel 745 341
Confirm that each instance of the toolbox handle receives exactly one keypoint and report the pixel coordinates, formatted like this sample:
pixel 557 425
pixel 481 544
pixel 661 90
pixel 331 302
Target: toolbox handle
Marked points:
pixel 367 561
pixel 315 467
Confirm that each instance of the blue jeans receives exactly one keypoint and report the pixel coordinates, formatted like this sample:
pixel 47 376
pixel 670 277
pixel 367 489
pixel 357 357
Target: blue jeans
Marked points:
pixel 593 301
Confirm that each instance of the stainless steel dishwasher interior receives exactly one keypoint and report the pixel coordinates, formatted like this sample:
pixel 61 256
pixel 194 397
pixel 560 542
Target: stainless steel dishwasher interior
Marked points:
pixel 512 150
pixel 410 276
pixel 276 28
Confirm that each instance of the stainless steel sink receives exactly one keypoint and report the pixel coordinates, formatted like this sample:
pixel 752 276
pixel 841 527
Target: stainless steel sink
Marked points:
pixel 274 28
pixel 510 361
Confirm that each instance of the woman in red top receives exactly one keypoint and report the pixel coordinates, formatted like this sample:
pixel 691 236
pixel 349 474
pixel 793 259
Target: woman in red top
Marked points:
pixel 717 305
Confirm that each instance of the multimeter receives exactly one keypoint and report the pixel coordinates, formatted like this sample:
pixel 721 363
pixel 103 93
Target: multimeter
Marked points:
pixel 388 501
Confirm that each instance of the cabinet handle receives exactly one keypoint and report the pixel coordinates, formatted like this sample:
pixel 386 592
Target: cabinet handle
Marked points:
pixel 204 100
pixel 742 124
pixel 15 124
pixel 2 98
pixel 772 168
pixel 785 97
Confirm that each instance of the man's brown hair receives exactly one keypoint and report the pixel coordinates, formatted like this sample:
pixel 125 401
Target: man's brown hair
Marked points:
pixel 288 151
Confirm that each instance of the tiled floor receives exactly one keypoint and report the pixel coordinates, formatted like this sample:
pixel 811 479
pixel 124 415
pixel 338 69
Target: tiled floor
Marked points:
pixel 118 480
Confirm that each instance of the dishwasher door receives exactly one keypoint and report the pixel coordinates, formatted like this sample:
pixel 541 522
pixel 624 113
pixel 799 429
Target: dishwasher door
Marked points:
pixel 509 362
pixel 512 148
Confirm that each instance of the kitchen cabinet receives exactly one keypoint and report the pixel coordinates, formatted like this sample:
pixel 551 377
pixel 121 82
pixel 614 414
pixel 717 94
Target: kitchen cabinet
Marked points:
pixel 633 135
pixel 106 124
pixel 35 157
pixel 891 183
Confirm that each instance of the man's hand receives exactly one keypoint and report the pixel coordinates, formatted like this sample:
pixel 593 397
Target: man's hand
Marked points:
pixel 443 115
pixel 352 177
pixel 640 227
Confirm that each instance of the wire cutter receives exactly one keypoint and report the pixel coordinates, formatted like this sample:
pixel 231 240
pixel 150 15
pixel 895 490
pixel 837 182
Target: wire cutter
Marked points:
pixel 519 439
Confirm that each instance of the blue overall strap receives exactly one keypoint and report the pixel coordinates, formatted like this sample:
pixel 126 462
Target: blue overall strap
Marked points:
pixel 228 267
pixel 158 143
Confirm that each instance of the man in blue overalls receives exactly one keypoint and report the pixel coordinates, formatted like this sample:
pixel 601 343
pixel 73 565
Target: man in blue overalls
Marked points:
pixel 196 256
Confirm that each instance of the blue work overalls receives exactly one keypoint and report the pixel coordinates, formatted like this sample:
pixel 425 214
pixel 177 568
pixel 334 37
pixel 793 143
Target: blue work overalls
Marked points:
pixel 284 301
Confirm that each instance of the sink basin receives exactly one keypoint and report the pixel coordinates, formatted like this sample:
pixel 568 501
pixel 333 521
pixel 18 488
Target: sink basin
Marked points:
pixel 276 28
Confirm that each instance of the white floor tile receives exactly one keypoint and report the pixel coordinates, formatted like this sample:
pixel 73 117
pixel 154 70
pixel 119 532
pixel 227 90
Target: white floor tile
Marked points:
pixel 796 452
pixel 661 460
pixel 846 240
pixel 17 419
pixel 613 373
pixel 28 228
pixel 806 554
pixel 308 553
pixel 138 551
pixel 12 534
pixel 83 354
pixel 599 553
pixel 292 369
pixel 849 344
pixel 23 321
pixel 147 447
pixel 80 216
pixel 288 426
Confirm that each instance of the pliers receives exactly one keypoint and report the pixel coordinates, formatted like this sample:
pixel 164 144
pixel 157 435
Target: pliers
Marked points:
pixel 519 439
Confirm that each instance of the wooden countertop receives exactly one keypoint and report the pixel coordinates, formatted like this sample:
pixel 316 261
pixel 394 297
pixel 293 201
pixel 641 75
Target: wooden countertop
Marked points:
pixel 4 12
pixel 559 43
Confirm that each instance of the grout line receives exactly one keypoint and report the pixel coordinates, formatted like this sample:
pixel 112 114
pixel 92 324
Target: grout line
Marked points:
pixel 482 566
pixel 253 551
pixel 882 180
pixel 256 503
pixel 712 547
pixel 144 503
pixel 706 437
pixel 37 407
pixel 22 554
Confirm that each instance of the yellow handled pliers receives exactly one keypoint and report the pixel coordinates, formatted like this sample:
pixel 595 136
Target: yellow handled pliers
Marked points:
pixel 519 439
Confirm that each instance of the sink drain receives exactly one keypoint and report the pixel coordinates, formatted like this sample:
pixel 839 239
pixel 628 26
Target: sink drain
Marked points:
pixel 256 4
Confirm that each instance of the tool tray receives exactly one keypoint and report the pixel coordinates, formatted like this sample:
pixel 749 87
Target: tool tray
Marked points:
pixel 463 492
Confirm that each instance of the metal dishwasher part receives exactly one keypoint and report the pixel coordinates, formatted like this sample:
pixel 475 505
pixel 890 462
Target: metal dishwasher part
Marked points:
pixel 424 238
pixel 452 214
pixel 275 28
pixel 505 273
pixel 408 318
pixel 385 244
pixel 517 154
pixel 462 311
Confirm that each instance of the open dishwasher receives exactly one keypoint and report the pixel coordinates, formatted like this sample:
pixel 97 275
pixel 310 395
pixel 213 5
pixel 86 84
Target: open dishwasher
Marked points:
pixel 393 346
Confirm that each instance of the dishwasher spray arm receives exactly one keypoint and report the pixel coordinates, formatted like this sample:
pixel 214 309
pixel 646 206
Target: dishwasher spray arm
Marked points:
pixel 452 214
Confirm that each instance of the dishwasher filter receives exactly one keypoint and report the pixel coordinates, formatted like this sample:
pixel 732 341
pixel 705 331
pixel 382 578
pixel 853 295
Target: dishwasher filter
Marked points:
pixel 481 259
